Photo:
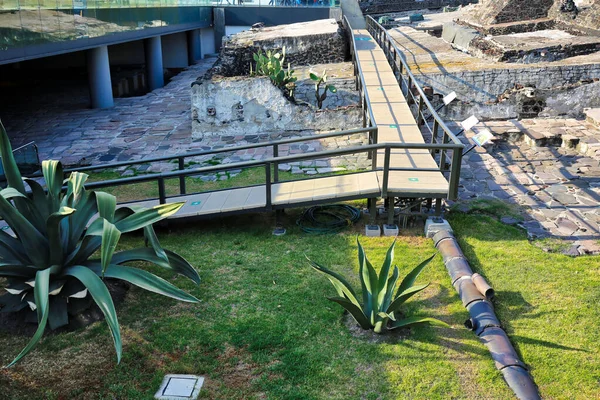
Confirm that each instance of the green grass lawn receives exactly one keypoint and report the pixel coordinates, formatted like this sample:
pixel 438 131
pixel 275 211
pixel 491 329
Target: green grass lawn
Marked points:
pixel 265 330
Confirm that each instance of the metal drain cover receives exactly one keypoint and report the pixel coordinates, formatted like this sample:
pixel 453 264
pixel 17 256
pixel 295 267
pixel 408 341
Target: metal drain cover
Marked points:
pixel 180 387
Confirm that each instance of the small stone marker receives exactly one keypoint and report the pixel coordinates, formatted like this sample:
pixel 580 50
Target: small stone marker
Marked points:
pixel 178 387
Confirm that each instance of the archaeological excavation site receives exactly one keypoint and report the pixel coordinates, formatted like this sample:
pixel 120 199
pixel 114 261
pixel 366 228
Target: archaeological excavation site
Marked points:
pixel 187 188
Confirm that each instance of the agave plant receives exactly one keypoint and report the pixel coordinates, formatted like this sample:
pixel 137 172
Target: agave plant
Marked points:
pixel 47 260
pixel 381 307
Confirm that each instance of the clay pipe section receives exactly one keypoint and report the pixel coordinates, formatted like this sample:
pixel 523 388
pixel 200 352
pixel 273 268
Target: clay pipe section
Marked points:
pixel 476 294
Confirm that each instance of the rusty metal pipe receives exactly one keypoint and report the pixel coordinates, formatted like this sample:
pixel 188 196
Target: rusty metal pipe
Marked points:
pixel 475 294
pixel 483 287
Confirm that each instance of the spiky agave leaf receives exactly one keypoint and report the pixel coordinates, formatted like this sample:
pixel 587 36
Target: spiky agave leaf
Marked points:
pixel 46 259
pixel 406 322
pixel 101 296
pixel 369 282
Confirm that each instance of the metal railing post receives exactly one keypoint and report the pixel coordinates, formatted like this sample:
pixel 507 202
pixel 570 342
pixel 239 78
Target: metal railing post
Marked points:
pixel 455 172
pixel 181 166
pixel 420 111
pixel 443 152
pixel 269 206
pixel 386 172
pixel 275 164
pixel 162 196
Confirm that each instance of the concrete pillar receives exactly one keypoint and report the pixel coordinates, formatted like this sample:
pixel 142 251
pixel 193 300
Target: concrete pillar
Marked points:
pixel 194 46
pixel 98 67
pixel 154 63
pixel 219 27
pixel 207 37
pixel 175 50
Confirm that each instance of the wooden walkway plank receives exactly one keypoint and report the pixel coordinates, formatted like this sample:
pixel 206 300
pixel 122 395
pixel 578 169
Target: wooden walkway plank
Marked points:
pixel 257 198
pixel 417 182
pixel 214 202
pixel 236 200
pixel 368 183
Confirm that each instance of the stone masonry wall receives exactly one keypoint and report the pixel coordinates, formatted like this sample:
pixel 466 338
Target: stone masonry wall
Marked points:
pixel 253 105
pixel 388 6
pixel 346 94
pixel 478 91
pixel 587 19
pixel 486 85
pixel 306 43
pixel 490 12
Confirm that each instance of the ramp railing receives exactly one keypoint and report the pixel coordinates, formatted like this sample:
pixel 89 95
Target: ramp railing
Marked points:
pixel 423 110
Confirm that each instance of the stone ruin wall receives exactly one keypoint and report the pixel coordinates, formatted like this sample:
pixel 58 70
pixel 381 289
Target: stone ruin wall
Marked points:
pixel 586 20
pixel 389 6
pixel 229 107
pixel 327 45
pixel 491 12
pixel 481 91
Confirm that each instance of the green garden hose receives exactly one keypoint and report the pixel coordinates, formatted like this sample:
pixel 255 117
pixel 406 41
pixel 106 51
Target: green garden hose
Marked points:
pixel 333 218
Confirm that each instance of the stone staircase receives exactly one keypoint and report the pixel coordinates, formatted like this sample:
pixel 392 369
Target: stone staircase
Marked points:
pixel 582 136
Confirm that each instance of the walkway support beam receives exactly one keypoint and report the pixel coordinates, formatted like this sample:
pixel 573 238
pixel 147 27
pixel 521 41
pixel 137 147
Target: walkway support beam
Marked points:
pixel 98 66
pixel 154 63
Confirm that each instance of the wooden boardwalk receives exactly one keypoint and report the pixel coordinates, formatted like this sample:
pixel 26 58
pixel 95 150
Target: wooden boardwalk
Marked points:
pixel 396 124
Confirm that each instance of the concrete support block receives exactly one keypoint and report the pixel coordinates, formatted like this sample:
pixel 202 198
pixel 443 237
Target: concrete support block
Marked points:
pixel 464 36
pixel 154 63
pixel 98 65
pixel 372 231
pixel 449 31
pixel 435 224
pixel 390 230
pixel 194 46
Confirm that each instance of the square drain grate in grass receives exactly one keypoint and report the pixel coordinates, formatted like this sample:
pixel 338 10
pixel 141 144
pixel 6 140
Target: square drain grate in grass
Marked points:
pixel 179 387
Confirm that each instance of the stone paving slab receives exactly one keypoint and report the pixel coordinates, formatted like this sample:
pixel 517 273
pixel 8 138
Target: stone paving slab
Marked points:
pixel 558 187
pixel 65 129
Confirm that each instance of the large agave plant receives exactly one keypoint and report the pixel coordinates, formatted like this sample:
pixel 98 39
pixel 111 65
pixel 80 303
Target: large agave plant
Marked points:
pixel 381 307
pixel 47 261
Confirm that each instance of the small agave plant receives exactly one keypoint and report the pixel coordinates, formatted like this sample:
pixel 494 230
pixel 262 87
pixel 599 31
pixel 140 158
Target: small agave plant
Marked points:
pixel 47 261
pixel 381 307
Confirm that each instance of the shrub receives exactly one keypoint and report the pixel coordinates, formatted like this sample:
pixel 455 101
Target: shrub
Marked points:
pixel 381 307
pixel 270 64
pixel 48 261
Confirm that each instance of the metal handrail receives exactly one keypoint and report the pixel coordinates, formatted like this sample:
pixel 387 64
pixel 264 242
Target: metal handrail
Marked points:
pixel 222 150
pixel 366 102
pixel 386 42
pixel 268 163
pixel 372 27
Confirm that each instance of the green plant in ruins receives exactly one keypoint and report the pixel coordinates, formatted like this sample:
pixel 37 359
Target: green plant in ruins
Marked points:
pixel 319 81
pixel 271 64
pixel 48 260
pixel 380 308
